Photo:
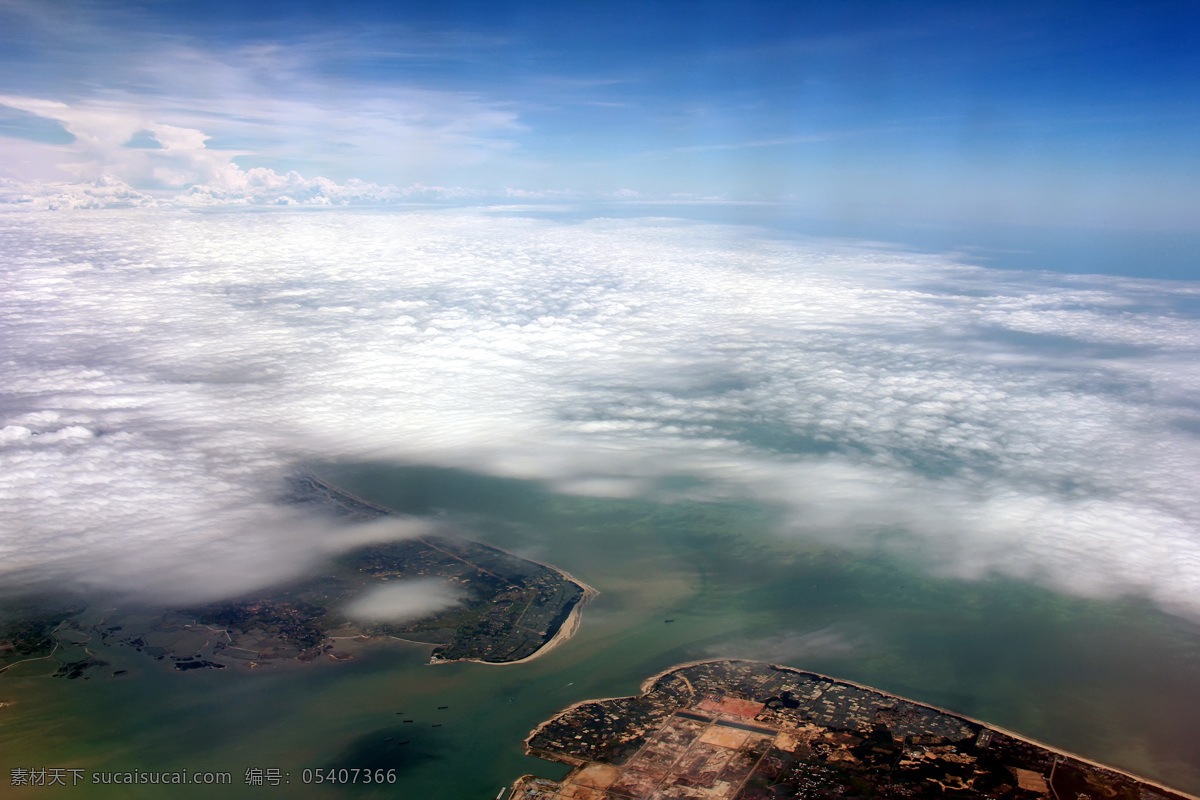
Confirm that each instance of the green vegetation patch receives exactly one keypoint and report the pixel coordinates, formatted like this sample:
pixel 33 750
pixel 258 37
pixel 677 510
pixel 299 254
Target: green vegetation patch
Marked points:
pixel 511 606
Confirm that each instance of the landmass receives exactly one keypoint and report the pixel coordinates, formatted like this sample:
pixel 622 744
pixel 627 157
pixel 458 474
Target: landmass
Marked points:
pixel 745 730
pixel 29 638
pixel 32 630
pixel 513 609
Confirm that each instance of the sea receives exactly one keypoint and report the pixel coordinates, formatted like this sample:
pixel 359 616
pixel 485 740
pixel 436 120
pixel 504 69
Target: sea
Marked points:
pixel 1117 681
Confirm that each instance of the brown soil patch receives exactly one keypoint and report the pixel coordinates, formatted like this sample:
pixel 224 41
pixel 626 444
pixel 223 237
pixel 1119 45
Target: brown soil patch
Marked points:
pixel 1030 780
pixel 733 706
pixel 597 776
pixel 725 737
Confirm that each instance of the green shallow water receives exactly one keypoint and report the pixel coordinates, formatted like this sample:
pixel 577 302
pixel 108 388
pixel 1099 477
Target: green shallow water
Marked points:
pixel 1115 681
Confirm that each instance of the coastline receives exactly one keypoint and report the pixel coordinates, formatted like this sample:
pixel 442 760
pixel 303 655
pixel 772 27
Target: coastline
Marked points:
pixel 1058 751
pixel 324 484
pixel 565 631
pixel 643 689
pixel 648 684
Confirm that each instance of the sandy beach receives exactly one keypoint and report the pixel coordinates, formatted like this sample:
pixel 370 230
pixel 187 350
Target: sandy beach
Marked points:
pixel 564 632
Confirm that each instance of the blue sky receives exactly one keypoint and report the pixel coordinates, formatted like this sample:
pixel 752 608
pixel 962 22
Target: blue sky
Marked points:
pixel 1067 114
pixel 1035 425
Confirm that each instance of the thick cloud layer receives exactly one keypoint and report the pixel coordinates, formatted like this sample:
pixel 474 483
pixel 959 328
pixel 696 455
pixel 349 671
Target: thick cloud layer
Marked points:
pixel 162 371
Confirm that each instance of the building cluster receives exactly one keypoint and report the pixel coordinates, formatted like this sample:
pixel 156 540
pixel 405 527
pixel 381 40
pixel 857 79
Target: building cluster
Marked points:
pixel 732 729
pixel 608 731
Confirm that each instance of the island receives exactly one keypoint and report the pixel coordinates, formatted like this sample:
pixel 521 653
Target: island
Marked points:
pixel 512 609
pixel 746 730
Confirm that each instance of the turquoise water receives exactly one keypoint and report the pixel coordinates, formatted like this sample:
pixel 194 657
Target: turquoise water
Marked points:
pixel 1115 681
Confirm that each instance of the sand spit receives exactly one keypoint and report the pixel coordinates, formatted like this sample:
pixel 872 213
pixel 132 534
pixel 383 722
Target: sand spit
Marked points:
pixel 565 631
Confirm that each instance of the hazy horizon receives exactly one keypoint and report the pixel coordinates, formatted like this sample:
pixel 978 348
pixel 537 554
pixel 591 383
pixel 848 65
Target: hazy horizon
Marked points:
pixel 912 287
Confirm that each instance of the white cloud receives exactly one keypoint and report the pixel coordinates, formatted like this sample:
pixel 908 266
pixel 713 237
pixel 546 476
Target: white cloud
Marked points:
pixel 184 170
pixel 120 78
pixel 101 131
pixel 403 601
pixel 104 192
pixel 269 103
pixel 164 370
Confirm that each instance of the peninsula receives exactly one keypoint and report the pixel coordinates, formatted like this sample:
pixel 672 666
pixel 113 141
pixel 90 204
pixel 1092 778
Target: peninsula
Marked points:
pixel 512 609
pixel 745 730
